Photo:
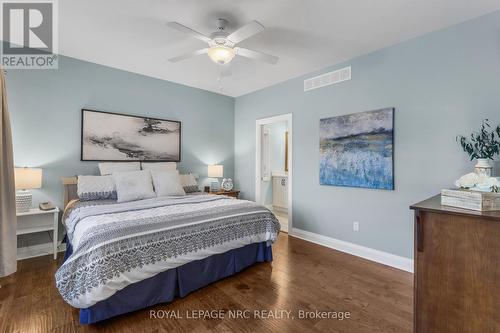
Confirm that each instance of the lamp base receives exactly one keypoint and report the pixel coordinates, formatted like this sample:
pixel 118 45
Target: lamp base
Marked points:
pixel 215 186
pixel 24 199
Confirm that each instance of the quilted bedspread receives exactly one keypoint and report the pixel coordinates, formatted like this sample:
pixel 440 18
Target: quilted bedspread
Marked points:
pixel 117 244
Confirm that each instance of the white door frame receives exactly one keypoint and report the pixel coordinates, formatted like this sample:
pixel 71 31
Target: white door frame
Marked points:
pixel 259 123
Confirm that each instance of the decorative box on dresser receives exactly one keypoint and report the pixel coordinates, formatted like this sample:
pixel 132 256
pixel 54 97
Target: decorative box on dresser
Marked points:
pixel 457 269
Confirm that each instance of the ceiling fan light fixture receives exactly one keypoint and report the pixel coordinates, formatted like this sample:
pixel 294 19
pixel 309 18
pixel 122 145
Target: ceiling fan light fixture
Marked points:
pixel 221 54
pixel 222 46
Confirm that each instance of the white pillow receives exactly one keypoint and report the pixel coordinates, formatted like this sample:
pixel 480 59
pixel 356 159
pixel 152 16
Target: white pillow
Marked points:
pixel 96 188
pixel 167 183
pixel 159 166
pixel 133 185
pixel 108 168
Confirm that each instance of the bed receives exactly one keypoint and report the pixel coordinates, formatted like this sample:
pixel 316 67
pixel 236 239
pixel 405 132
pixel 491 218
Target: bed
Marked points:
pixel 122 257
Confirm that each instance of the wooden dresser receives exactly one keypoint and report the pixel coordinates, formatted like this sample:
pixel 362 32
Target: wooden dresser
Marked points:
pixel 457 269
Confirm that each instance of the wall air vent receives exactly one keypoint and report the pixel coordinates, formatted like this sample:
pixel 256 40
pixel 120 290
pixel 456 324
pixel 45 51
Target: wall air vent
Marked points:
pixel 327 79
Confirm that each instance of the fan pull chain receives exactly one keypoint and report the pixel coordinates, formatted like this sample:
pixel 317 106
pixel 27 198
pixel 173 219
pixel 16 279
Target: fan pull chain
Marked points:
pixel 219 78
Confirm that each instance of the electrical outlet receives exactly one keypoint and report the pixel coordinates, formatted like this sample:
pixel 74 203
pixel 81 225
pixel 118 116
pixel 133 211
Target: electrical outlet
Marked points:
pixel 355 226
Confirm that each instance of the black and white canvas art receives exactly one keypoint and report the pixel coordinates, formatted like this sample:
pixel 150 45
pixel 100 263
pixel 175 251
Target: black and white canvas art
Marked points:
pixel 117 137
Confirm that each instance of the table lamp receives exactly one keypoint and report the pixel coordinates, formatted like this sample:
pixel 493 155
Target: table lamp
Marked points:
pixel 26 179
pixel 215 171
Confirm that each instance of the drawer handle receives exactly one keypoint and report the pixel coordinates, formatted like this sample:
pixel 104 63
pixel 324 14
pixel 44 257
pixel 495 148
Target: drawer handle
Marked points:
pixel 420 233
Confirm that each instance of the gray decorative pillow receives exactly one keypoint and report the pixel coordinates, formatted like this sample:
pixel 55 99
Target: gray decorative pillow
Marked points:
pixel 96 188
pixel 191 188
pixel 133 185
pixel 189 183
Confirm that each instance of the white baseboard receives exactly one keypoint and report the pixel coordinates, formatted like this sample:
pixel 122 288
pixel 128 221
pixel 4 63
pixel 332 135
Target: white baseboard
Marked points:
pixel 38 250
pixel 403 263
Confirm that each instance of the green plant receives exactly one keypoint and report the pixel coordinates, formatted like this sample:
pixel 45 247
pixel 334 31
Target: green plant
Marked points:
pixel 482 144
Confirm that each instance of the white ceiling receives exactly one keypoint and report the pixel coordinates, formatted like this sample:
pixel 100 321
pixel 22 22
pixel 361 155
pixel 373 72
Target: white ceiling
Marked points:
pixel 306 34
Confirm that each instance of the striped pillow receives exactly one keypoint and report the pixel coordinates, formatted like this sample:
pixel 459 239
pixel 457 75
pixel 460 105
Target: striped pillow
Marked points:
pixel 189 183
pixel 96 188
pixel 191 188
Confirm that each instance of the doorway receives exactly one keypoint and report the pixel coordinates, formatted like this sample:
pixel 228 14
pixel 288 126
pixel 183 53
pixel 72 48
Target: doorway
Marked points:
pixel 273 168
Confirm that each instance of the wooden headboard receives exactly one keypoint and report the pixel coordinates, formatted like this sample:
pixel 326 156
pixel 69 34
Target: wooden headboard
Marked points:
pixel 70 191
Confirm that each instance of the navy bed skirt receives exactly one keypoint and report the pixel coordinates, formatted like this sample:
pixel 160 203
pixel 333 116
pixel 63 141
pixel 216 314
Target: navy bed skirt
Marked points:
pixel 176 282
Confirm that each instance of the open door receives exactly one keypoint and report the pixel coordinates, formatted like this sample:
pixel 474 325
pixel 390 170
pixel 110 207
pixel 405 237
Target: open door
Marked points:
pixel 273 167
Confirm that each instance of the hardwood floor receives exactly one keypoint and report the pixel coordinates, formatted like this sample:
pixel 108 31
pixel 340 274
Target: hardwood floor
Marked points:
pixel 303 276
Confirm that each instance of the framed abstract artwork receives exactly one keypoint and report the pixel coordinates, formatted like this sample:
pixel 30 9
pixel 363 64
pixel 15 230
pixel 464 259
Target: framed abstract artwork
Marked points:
pixel 110 136
pixel 356 150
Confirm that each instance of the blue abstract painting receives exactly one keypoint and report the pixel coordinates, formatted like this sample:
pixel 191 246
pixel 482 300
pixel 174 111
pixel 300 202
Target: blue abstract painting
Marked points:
pixel 356 150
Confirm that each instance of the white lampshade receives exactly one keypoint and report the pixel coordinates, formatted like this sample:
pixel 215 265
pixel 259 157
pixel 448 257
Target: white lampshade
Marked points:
pixel 215 171
pixel 221 54
pixel 28 178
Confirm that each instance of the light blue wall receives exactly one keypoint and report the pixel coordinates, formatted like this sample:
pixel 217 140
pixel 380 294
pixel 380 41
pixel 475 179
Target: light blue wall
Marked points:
pixel 45 114
pixel 441 85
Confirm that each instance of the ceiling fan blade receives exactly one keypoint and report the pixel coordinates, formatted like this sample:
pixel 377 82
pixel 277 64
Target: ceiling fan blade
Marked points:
pixel 225 70
pixel 270 59
pixel 246 31
pixel 188 55
pixel 189 31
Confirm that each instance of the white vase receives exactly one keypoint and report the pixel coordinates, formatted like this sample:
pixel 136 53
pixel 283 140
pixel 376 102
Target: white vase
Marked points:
pixel 483 167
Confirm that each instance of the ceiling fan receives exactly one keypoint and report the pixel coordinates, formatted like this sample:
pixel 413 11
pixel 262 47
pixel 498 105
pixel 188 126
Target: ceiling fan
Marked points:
pixel 222 45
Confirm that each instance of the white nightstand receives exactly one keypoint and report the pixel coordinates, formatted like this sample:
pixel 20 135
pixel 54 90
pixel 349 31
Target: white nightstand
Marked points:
pixel 36 220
